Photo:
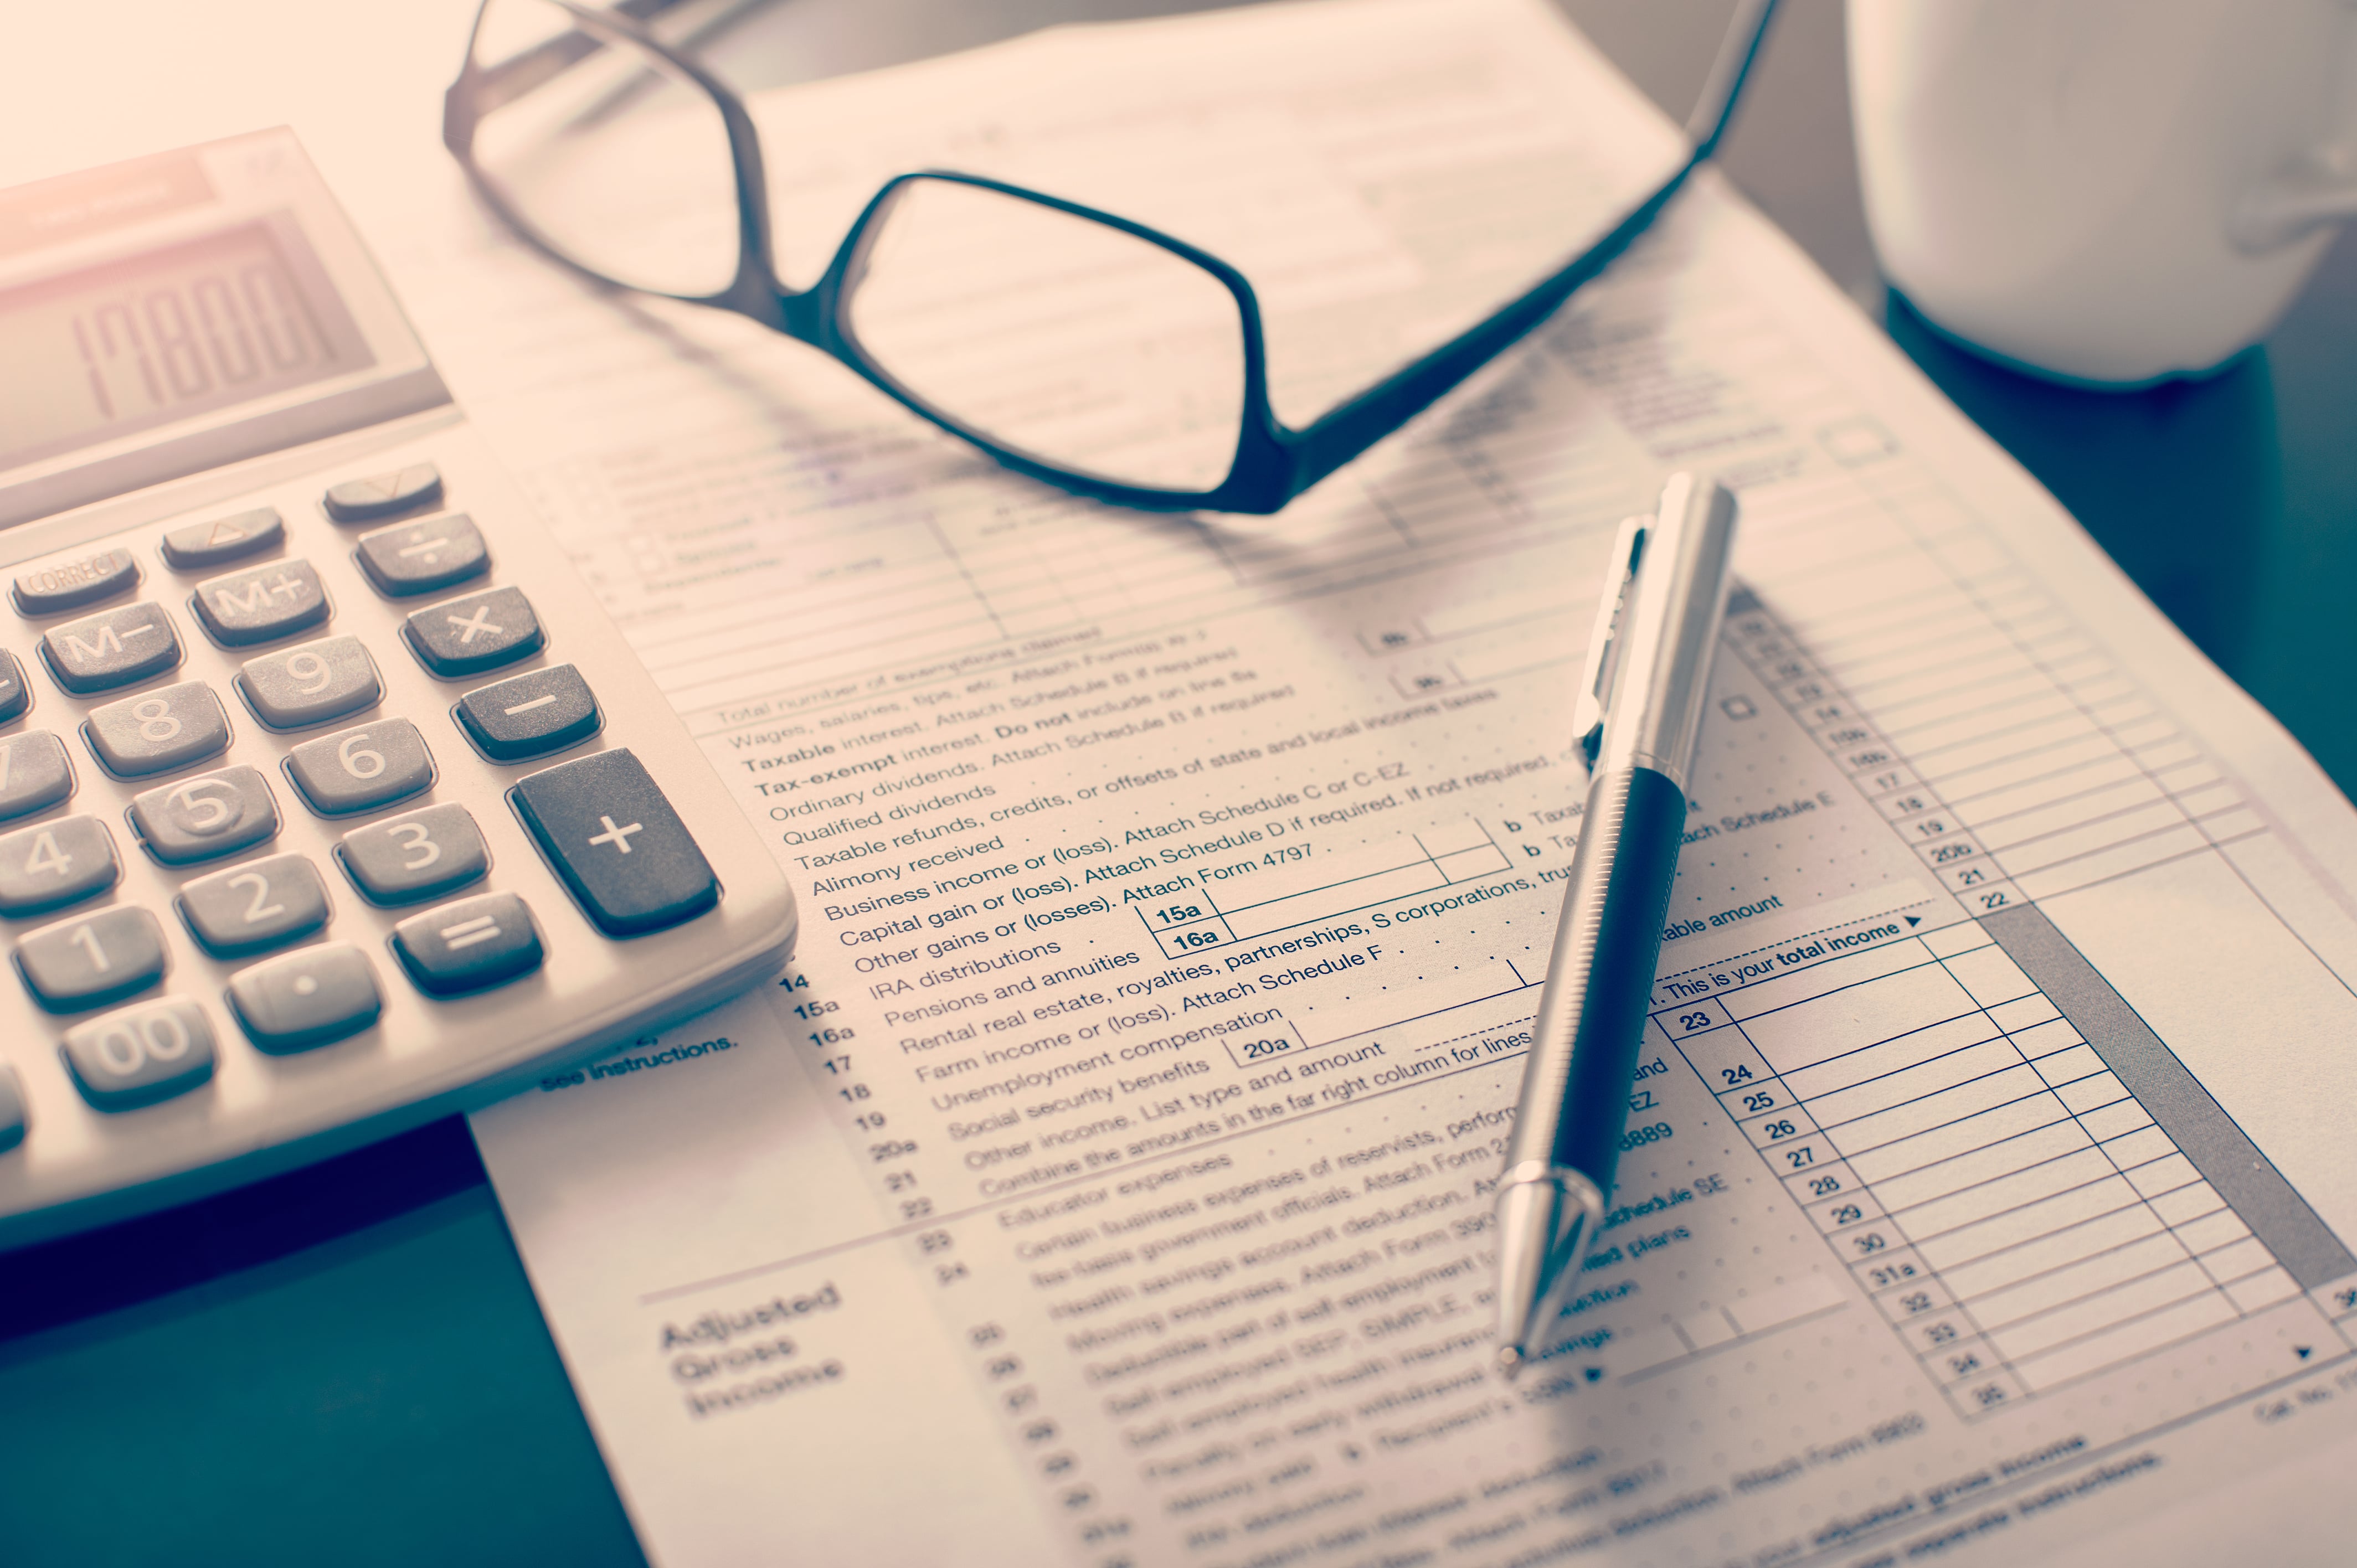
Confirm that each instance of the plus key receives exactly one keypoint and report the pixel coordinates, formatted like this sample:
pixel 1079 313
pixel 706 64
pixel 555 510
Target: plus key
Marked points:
pixel 618 837
pixel 623 852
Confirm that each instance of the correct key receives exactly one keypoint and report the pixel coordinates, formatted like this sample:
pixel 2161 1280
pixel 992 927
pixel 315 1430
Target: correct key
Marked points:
pixel 623 853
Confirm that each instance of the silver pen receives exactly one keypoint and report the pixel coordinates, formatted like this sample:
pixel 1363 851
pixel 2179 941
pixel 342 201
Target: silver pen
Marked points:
pixel 1640 706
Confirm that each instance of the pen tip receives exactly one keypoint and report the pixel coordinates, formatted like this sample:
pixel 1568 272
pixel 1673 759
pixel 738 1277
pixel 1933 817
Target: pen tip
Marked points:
pixel 1509 1361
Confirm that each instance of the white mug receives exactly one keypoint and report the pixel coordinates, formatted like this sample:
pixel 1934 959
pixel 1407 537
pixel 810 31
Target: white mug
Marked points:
pixel 2106 191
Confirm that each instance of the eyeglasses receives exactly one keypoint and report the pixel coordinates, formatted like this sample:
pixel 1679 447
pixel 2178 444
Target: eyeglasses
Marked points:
pixel 1071 344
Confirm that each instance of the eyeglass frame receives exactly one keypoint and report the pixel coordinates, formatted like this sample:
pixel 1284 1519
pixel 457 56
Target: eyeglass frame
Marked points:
pixel 1273 462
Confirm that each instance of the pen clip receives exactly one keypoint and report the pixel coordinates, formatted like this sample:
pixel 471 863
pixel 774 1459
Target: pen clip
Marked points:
pixel 1603 642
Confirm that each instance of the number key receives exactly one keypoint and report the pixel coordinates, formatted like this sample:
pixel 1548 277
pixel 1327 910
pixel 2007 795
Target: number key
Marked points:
pixel 56 863
pixel 168 728
pixel 87 963
pixel 206 817
pixel 140 1055
pixel 418 854
pixel 358 769
pixel 311 683
pixel 259 904
pixel 35 774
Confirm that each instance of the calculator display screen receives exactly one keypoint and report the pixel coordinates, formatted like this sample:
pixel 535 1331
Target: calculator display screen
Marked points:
pixel 185 329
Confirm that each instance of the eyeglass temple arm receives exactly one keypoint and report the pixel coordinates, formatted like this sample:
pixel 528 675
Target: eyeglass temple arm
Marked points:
pixel 483 88
pixel 1343 433
pixel 1739 50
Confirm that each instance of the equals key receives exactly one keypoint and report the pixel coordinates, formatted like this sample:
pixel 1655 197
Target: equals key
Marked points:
pixel 470 945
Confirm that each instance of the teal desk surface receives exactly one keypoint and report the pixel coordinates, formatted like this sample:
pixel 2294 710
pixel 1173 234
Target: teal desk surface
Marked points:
pixel 346 1364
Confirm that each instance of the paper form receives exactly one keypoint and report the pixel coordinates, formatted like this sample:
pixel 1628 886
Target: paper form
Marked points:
pixel 1109 1182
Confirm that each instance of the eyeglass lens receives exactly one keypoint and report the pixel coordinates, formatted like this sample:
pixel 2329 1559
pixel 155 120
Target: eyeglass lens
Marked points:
pixel 601 146
pixel 1068 340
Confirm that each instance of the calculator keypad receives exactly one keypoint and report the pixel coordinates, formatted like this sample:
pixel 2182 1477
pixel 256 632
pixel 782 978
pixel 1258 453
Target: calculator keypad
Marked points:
pixel 309 998
pixel 311 683
pixel 201 546
pixel 261 604
pixel 113 648
pixel 35 774
pixel 481 631
pixel 159 731
pixel 296 619
pixel 470 945
pixel 418 854
pixel 51 864
pixel 255 906
pixel 531 714
pixel 93 959
pixel 413 558
pixel 206 817
pixel 141 1054
pixel 361 769
pixel 388 494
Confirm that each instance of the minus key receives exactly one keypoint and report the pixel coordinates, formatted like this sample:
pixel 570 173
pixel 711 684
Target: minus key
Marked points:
pixel 531 714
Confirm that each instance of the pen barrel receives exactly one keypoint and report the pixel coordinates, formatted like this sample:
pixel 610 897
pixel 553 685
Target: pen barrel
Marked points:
pixel 1591 1018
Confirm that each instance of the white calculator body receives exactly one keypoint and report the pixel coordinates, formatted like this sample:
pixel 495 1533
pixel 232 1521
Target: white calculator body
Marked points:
pixel 330 799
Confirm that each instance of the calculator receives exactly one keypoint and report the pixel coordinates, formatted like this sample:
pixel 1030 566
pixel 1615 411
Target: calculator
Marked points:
pixel 330 800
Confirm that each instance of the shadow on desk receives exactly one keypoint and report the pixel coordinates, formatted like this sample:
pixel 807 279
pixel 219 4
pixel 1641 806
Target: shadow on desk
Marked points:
pixel 342 1365
pixel 120 1265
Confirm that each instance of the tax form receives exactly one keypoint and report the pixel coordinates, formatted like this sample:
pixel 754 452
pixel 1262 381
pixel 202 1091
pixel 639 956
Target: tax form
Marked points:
pixel 1109 1181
